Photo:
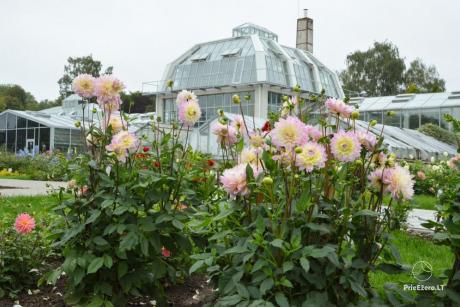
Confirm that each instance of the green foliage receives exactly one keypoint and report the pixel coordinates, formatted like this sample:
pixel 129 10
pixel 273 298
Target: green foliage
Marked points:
pixel 424 78
pixel 76 66
pixel 22 256
pixel 381 71
pixel 40 167
pixel 440 134
pixel 126 217
pixel 136 102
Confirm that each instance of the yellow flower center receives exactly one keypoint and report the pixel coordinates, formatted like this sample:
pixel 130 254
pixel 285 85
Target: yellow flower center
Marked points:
pixel 345 146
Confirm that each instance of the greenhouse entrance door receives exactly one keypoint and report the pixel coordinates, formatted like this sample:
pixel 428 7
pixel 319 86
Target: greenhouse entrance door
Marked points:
pixel 30 145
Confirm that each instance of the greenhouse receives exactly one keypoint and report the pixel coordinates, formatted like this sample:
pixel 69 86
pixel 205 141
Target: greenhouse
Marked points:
pixel 31 132
pixel 411 110
pixel 251 63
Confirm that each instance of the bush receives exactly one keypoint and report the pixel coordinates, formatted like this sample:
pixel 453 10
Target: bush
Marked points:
pixel 22 258
pixel 440 134
pixel 302 224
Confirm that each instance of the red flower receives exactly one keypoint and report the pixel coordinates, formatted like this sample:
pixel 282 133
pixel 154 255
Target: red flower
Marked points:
pixel 156 164
pixel 165 252
pixel 211 163
pixel 146 148
pixel 140 156
pixel 267 127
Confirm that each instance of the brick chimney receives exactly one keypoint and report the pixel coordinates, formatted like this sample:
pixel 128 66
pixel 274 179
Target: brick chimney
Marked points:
pixel 304 39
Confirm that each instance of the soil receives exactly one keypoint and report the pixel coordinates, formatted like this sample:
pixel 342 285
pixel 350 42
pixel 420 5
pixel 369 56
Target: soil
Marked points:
pixel 194 292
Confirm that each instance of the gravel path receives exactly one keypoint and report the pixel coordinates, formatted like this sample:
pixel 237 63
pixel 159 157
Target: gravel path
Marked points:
pixel 15 187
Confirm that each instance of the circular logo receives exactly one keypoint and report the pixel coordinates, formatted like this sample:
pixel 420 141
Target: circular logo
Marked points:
pixel 422 270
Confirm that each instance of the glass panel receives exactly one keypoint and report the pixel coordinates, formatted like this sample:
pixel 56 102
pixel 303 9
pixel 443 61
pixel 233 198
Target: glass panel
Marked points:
pixel 11 140
pixel 31 123
pixel 30 133
pixel 21 139
pixel 430 116
pixel 11 121
pixel 2 140
pixel 375 115
pixel 22 122
pixel 44 135
pixel 414 119
pixel 392 120
pixel 3 121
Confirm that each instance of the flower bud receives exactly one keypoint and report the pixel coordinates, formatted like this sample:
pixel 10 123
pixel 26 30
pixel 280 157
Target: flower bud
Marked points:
pixel 359 162
pixel 247 97
pixel 94 110
pixel 285 98
pixel 355 114
pixel 78 124
pixel 297 88
pixel 169 83
pixel 296 176
pixel 220 112
pixel 267 181
pixel 445 154
pixel 236 99
pixel 298 150
pixel 373 123
pixel 391 113
pixel 158 119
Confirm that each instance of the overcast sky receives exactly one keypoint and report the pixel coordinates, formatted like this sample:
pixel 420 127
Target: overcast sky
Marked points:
pixel 138 38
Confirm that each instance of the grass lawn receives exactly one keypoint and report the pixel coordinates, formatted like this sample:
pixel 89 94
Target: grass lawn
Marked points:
pixel 413 249
pixel 40 207
pixel 424 201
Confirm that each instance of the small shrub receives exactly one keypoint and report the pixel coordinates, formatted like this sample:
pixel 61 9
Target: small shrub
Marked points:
pixel 440 134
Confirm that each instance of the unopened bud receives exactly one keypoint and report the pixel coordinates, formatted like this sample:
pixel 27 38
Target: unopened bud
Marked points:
pixel 359 162
pixel 355 114
pixel 236 99
pixel 391 113
pixel 285 98
pixel 77 124
pixel 267 181
pixel 247 97
pixel 94 110
pixel 298 150
pixel 297 88
pixel 373 123
pixel 159 119
pixel 170 83
pixel 220 112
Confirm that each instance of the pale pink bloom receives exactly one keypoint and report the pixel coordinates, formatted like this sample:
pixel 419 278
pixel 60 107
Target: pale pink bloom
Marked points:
pixel 72 184
pixel 284 157
pixel 401 185
pixel 84 85
pixel 293 100
pixel 339 107
pixel 234 179
pixel 189 112
pixel 122 144
pixel 345 146
pixel 290 132
pixel 24 223
pixel 313 156
pixel 226 134
pixel 313 133
pixel 380 178
pixel 454 162
pixel 108 88
pixel 257 143
pixel 114 121
pixel 421 175
pixel 248 156
pixel 367 139
pixel 110 105
pixel 238 124
pixel 184 96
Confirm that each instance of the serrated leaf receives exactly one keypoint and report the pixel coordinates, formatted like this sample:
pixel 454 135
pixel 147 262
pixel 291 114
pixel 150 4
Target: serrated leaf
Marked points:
pixel 305 264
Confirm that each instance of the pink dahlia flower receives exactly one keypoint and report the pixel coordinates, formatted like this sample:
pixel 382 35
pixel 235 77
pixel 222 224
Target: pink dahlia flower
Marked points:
pixel 290 132
pixel 380 178
pixel 226 134
pixel 234 179
pixel 24 223
pixel 313 133
pixel 454 162
pixel 339 107
pixel 114 121
pixel 84 85
pixel 421 175
pixel 238 124
pixel 122 144
pixel 185 96
pixel 367 139
pixel 313 156
pixel 401 184
pixel 189 112
pixel 345 146
pixel 108 88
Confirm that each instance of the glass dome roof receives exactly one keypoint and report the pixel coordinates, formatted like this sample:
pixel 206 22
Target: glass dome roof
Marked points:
pixel 252 56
